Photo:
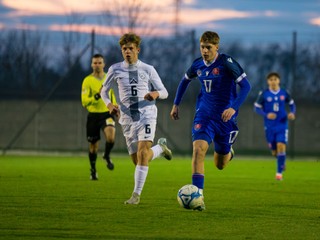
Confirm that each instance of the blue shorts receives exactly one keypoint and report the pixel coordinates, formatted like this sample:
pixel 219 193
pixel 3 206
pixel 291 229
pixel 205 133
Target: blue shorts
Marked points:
pixel 223 134
pixel 275 136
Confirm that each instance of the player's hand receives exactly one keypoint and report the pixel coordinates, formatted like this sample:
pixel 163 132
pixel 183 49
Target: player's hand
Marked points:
pixel 114 110
pixel 97 96
pixel 151 96
pixel 271 116
pixel 175 112
pixel 291 116
pixel 227 114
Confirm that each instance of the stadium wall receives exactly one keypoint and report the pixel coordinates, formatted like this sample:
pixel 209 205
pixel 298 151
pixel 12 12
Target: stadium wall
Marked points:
pixel 60 126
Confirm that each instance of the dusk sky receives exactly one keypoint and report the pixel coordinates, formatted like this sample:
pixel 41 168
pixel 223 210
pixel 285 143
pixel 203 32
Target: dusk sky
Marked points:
pixel 248 20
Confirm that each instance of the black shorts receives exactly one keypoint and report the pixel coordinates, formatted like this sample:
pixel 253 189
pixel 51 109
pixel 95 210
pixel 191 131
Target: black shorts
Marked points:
pixel 97 122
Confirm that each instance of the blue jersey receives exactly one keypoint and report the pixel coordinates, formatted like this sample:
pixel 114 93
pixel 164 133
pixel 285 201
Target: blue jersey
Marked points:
pixel 218 85
pixel 274 102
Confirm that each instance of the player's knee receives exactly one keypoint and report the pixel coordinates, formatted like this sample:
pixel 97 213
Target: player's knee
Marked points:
pixel 144 155
pixel 281 148
pixel 199 149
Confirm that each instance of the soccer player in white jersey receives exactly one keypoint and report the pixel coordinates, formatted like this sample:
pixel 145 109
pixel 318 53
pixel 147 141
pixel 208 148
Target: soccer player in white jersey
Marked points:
pixel 139 85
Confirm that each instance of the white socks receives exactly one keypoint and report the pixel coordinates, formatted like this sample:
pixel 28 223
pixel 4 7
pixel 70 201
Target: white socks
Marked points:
pixel 157 150
pixel 140 176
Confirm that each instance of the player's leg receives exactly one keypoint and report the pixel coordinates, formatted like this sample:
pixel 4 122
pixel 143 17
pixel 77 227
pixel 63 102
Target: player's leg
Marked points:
pixel 202 135
pixel 281 139
pixel 226 135
pixel 143 156
pixel 140 152
pixel 109 132
pixel 200 148
pixel 107 124
pixel 146 132
pixel 270 137
pixel 93 137
pixel 93 149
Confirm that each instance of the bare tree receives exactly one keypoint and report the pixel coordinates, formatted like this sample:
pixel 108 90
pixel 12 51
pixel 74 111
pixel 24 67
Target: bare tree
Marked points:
pixel 129 17
pixel 72 41
pixel 23 59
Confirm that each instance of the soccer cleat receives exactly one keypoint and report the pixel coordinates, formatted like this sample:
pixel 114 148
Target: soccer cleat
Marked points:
pixel 135 199
pixel 93 175
pixel 232 153
pixel 110 164
pixel 279 176
pixel 166 151
pixel 202 206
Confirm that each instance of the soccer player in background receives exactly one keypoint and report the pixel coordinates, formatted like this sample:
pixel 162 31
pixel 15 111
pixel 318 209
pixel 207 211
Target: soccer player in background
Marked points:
pixel 271 104
pixel 139 86
pixel 99 117
pixel 217 105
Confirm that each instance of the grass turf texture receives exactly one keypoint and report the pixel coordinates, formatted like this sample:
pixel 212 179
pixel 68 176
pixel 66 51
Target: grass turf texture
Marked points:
pixel 53 198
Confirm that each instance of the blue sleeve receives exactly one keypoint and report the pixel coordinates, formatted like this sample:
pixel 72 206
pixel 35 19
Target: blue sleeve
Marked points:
pixel 243 93
pixel 292 107
pixel 259 110
pixel 181 90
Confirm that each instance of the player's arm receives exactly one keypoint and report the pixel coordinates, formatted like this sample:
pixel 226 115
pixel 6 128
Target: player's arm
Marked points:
pixel 183 85
pixel 292 106
pixel 160 90
pixel 86 98
pixel 106 87
pixel 258 105
pixel 243 93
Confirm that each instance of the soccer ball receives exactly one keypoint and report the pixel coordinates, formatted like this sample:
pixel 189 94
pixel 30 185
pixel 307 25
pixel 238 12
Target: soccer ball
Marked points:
pixel 190 197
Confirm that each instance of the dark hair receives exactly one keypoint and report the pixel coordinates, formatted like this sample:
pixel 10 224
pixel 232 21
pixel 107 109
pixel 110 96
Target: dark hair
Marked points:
pixel 273 74
pixel 97 55
pixel 210 37
pixel 130 38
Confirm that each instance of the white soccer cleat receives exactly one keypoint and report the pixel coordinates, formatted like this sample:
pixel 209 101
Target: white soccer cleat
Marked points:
pixel 166 151
pixel 279 177
pixel 135 199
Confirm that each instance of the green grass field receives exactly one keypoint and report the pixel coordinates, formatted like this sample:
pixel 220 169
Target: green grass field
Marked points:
pixel 45 197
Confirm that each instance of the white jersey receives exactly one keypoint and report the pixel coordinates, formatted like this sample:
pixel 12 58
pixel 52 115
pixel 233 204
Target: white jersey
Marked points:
pixel 134 82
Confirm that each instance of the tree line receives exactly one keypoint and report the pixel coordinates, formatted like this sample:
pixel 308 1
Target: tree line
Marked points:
pixel 31 68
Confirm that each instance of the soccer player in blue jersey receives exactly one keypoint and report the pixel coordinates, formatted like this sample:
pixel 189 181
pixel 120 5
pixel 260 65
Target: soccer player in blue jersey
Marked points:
pixel 271 104
pixel 217 105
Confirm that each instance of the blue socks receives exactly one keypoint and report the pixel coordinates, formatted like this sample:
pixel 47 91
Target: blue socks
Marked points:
pixel 198 180
pixel 281 159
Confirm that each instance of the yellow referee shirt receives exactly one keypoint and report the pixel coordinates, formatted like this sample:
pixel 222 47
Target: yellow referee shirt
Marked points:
pixel 90 86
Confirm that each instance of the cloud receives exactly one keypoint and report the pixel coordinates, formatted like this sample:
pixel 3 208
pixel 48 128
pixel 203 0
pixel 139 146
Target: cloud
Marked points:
pixel 315 21
pixel 62 7
pixel 199 16
pixel 104 30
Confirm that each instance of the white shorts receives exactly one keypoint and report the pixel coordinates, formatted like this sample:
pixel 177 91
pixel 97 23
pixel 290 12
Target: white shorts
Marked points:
pixel 138 131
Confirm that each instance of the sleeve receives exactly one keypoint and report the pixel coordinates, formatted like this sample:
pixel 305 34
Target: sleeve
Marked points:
pixel 183 85
pixel 157 84
pixel 291 102
pixel 234 68
pixel 258 104
pixel 243 93
pixel 86 98
pixel 106 87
